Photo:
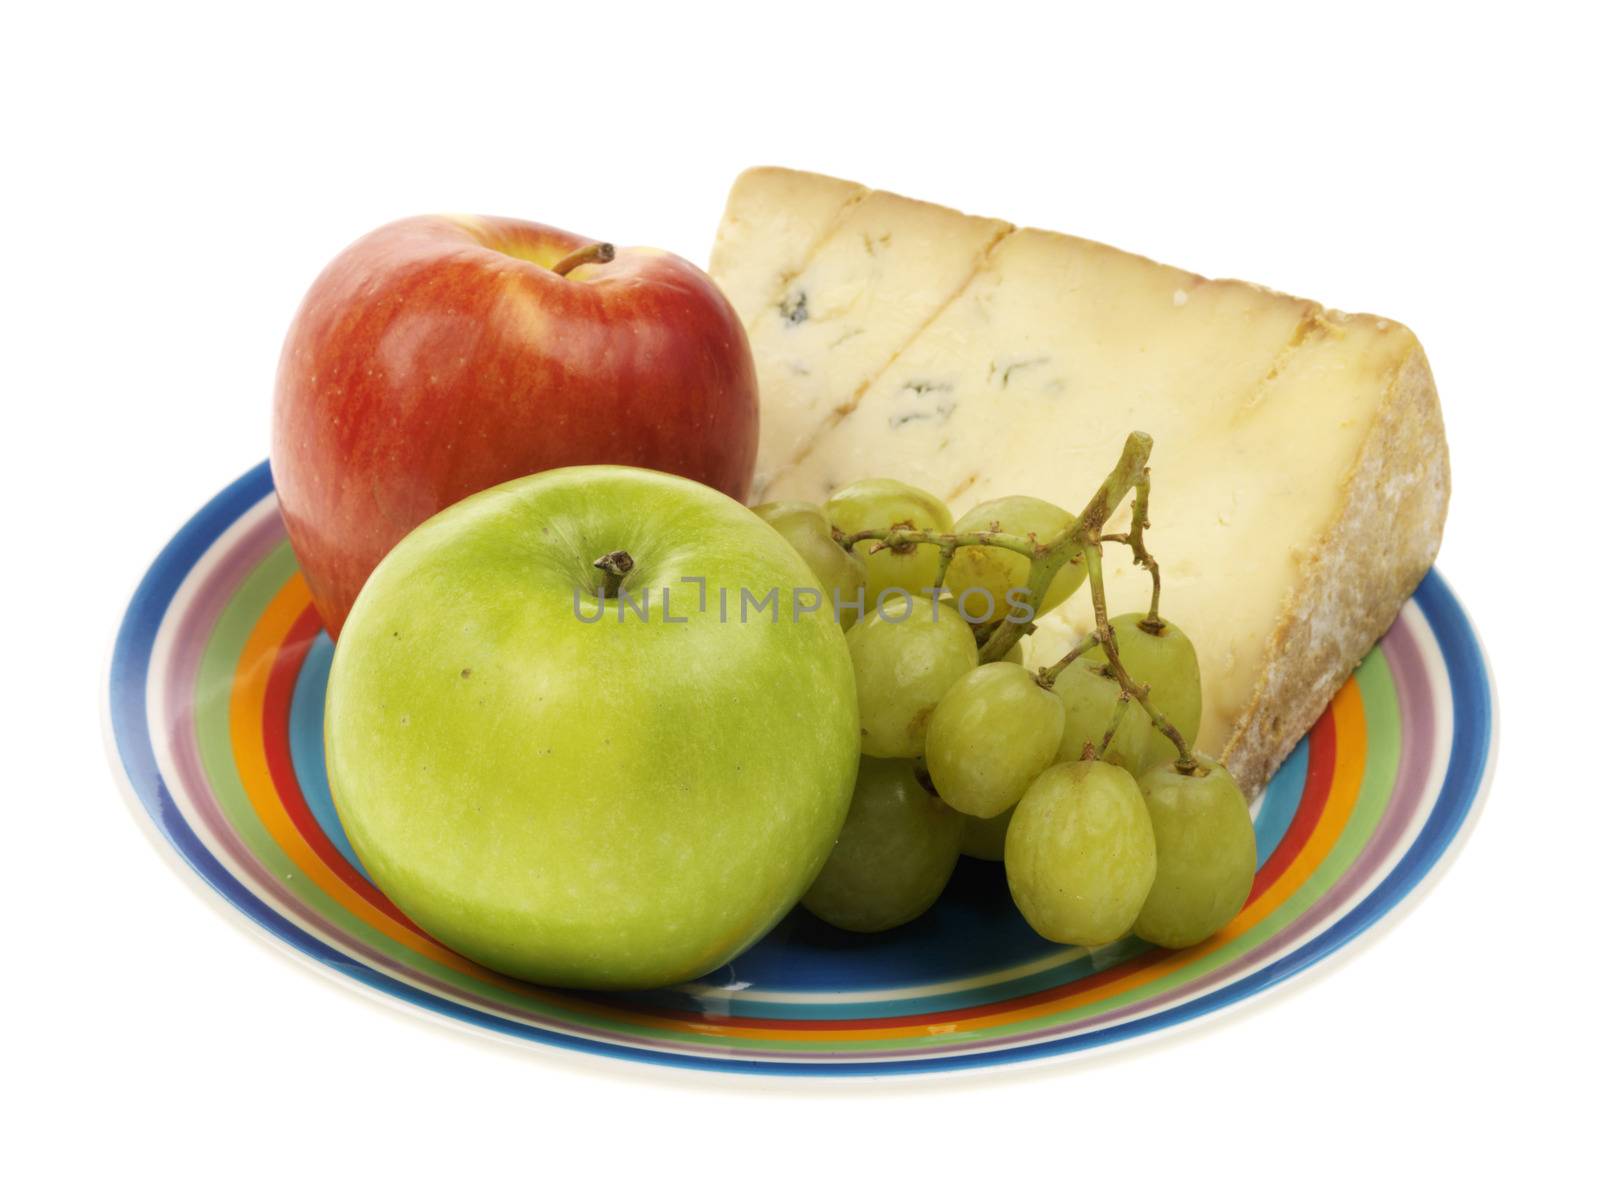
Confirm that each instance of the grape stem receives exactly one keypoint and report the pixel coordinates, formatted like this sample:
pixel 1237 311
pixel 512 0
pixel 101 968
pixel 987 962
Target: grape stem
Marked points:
pixel 1187 764
pixel 897 539
pixel 1047 676
pixel 946 554
pixel 1134 539
pixel 1117 714
pixel 1046 558
pixel 1084 536
pixel 1051 557
pixel 894 539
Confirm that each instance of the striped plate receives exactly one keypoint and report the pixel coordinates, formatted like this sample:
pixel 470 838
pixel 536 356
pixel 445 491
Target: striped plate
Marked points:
pixel 216 714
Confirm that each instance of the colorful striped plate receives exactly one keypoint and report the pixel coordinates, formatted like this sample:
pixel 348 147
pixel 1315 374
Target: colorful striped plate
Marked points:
pixel 216 715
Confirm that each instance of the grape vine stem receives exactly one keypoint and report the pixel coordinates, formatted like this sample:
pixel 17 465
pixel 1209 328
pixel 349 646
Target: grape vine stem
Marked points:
pixel 1187 764
pixel 1083 537
pixel 1047 675
pixel 1134 539
pixel 1046 558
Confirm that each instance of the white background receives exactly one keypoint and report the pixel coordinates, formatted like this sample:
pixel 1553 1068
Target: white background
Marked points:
pixel 175 180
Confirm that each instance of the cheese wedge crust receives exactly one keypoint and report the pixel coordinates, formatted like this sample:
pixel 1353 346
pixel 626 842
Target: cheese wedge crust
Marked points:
pixel 1300 475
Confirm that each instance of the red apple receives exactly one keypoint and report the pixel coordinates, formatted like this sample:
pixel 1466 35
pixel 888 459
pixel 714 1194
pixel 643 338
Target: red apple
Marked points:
pixel 439 356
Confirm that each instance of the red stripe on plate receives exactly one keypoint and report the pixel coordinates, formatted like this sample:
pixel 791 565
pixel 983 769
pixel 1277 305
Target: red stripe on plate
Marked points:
pixel 280 761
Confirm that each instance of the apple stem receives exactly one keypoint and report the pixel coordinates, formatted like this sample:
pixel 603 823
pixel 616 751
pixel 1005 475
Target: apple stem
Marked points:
pixel 597 252
pixel 614 568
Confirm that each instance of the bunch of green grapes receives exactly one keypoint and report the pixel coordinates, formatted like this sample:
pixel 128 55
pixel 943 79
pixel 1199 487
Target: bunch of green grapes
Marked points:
pixel 1071 776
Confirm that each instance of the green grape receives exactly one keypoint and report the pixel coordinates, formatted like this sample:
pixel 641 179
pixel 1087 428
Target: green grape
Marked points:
pixel 1205 854
pixel 1089 697
pixel 906 655
pixel 1081 854
pixel 991 735
pixel 1014 655
pixel 897 849
pixel 985 837
pixel 1166 661
pixel 980 576
pixel 807 529
pixel 889 504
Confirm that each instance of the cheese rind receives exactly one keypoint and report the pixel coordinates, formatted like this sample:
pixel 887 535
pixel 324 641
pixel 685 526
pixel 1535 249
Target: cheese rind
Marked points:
pixel 1367 562
pixel 1300 476
pixel 884 269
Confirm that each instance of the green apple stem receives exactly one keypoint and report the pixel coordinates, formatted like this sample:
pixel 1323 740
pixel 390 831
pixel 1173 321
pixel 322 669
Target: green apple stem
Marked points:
pixel 614 568
pixel 595 252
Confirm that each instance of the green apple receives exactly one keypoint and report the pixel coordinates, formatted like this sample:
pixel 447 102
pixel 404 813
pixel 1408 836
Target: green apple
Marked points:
pixel 588 777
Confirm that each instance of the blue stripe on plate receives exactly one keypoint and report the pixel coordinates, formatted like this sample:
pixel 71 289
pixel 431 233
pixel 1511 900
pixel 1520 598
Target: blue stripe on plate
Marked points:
pixel 306 749
pixel 1463 788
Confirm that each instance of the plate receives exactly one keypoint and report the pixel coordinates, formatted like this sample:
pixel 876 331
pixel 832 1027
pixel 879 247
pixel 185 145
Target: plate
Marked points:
pixel 215 709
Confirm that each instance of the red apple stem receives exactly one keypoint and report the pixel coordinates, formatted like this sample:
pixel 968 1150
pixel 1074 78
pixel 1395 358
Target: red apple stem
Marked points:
pixel 596 252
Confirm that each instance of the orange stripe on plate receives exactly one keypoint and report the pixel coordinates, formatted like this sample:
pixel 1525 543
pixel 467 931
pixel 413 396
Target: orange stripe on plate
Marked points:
pixel 245 724
pixel 1350 725
pixel 1350 731
pixel 246 706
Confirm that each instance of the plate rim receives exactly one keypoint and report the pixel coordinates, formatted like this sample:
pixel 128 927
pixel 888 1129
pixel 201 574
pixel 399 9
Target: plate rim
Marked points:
pixel 1329 949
